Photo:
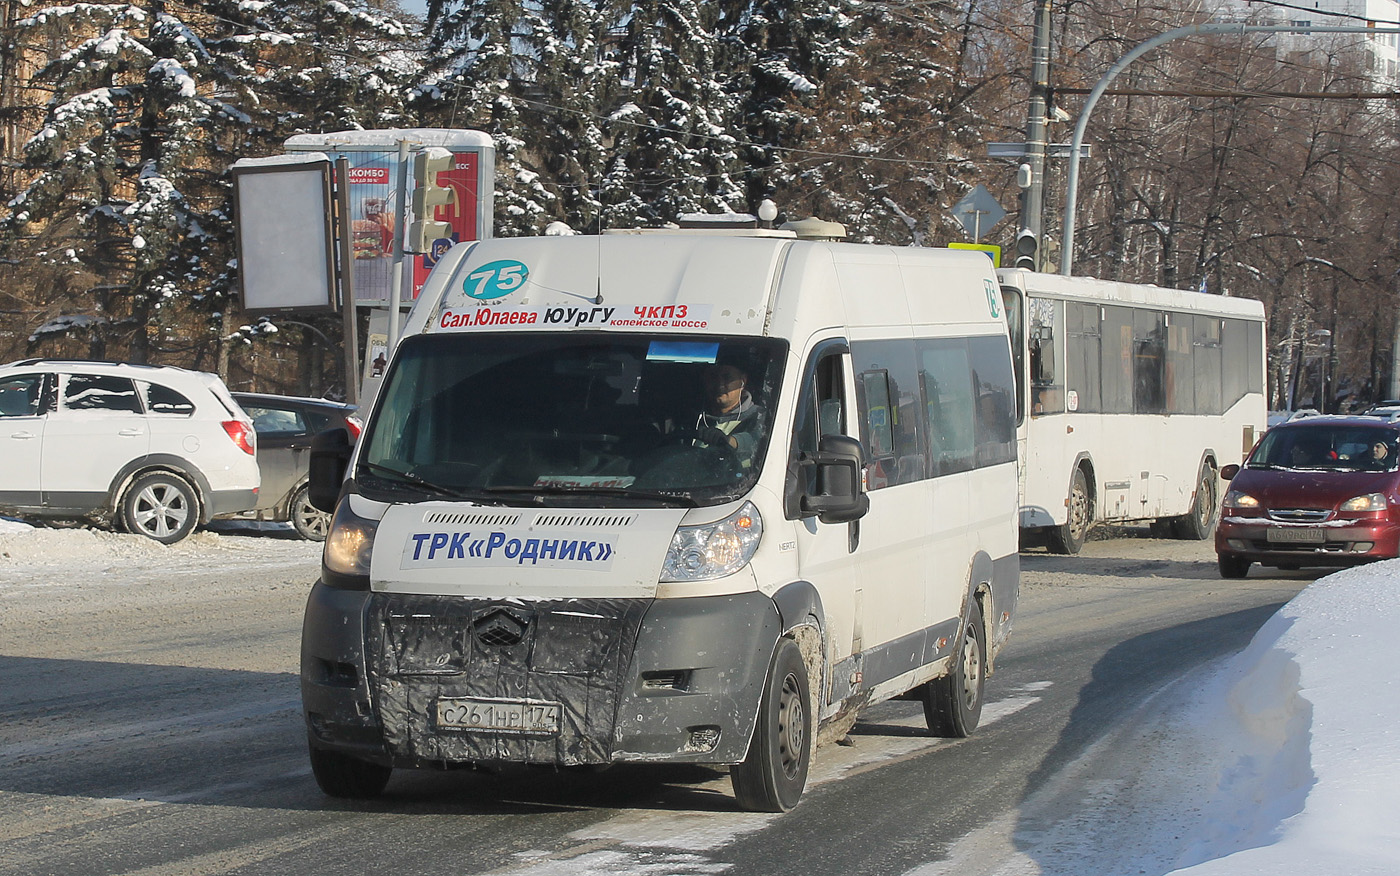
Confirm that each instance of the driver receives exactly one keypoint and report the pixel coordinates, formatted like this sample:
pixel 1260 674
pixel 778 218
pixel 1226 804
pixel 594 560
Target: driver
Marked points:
pixel 730 419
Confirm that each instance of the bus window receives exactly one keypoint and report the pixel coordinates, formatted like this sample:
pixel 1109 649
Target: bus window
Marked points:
pixel 1149 362
pixel 1117 340
pixel 1046 324
pixel 1082 357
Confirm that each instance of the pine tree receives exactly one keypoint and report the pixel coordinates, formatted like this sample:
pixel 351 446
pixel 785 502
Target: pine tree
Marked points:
pixel 127 212
pixel 483 56
pixel 674 145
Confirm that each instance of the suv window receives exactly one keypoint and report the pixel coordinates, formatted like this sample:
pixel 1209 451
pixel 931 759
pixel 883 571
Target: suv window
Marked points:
pixel 100 392
pixel 164 400
pixel 19 396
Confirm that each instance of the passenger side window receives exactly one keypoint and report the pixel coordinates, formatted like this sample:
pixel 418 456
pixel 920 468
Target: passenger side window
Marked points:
pixel 948 389
pixel 100 392
pixel 821 411
pixel 889 391
pixel 996 415
pixel 19 396
pixel 164 400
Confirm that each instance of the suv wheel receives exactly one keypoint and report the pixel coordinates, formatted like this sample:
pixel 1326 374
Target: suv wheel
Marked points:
pixel 160 506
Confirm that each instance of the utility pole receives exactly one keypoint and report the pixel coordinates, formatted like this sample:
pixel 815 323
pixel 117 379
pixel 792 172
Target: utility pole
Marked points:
pixel 1033 195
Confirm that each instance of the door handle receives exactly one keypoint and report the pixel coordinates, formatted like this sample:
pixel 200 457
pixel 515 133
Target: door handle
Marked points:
pixel 130 433
pixel 22 435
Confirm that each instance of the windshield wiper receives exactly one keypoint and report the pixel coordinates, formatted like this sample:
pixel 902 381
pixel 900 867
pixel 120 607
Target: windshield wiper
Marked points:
pixel 423 483
pixel 677 500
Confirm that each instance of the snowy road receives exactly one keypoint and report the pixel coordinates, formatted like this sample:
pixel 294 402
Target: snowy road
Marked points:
pixel 149 725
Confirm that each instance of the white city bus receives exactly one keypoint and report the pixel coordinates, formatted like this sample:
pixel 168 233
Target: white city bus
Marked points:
pixel 1130 399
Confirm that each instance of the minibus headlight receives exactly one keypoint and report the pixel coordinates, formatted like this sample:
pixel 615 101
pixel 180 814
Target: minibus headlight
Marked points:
pixel 1236 499
pixel 1368 502
pixel 700 553
pixel 349 541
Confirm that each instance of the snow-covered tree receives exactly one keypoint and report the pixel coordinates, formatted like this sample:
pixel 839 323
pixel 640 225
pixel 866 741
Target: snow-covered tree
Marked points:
pixel 127 207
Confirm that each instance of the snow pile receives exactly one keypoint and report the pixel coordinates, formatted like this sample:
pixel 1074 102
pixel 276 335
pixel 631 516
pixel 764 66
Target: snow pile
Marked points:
pixel 1310 712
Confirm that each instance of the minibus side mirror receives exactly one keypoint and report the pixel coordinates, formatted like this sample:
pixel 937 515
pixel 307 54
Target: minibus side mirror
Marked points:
pixel 1228 472
pixel 330 455
pixel 839 497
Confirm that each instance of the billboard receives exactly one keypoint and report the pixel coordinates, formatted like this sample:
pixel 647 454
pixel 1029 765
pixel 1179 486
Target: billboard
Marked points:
pixel 376 215
pixel 283 235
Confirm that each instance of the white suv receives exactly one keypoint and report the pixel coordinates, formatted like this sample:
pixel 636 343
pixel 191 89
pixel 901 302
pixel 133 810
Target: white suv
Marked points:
pixel 152 449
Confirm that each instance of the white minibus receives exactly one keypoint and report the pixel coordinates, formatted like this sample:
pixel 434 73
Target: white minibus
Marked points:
pixel 671 497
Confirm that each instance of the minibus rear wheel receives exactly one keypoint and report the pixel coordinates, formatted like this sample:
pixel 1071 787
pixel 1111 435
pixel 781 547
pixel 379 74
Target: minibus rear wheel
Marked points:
pixel 953 703
pixel 341 775
pixel 774 773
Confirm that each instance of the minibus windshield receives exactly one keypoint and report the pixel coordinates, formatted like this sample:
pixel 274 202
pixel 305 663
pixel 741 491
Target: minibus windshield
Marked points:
pixel 572 419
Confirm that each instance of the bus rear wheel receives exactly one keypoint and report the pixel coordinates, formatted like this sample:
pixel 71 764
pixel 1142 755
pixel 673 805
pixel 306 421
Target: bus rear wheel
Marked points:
pixel 1196 525
pixel 1068 539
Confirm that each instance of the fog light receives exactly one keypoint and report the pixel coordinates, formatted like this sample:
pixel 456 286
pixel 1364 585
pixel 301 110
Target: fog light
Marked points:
pixel 1362 547
pixel 1238 544
pixel 702 739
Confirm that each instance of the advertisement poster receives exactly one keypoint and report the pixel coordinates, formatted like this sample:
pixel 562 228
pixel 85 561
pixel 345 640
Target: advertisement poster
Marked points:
pixel 372 223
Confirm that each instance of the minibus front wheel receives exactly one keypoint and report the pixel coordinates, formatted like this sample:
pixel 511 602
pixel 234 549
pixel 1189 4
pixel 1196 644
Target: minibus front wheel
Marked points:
pixel 774 773
pixel 340 775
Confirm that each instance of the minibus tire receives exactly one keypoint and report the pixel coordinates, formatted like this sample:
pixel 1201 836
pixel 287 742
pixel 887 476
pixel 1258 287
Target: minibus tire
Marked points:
pixel 340 775
pixel 953 703
pixel 774 773
pixel 1068 539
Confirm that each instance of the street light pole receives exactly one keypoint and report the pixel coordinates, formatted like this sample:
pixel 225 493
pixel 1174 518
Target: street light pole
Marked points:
pixel 1033 196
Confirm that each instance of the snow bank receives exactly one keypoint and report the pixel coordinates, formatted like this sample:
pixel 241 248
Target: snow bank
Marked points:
pixel 1311 710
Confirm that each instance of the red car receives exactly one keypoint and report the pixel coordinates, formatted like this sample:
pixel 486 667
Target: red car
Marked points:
pixel 1320 491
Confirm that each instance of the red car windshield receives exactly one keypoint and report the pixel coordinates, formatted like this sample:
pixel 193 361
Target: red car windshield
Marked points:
pixel 1322 448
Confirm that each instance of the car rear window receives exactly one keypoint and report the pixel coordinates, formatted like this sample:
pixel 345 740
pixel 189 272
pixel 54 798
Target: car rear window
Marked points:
pixel 164 400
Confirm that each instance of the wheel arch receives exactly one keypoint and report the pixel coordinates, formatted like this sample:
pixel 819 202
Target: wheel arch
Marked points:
pixel 160 462
pixel 980 591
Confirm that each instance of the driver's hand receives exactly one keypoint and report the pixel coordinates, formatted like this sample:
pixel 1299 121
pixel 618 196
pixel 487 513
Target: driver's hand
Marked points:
pixel 714 437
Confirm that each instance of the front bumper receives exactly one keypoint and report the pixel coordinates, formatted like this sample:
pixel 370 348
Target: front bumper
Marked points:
pixel 675 680
pixel 1262 541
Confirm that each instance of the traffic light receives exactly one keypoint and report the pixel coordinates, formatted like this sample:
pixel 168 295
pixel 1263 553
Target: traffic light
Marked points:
pixel 1026 246
pixel 428 195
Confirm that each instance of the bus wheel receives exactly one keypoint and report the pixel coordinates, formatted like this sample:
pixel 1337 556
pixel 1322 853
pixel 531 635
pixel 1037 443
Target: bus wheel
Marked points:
pixel 953 703
pixel 341 775
pixel 772 776
pixel 1196 525
pixel 1068 539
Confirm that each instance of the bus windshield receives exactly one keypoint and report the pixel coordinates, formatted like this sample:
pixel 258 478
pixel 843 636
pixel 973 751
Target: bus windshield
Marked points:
pixel 573 419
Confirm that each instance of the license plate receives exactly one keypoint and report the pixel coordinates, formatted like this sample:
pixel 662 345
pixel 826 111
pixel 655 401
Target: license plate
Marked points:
pixel 518 716
pixel 1296 535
